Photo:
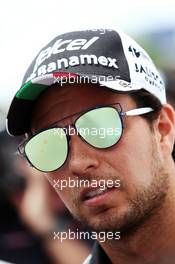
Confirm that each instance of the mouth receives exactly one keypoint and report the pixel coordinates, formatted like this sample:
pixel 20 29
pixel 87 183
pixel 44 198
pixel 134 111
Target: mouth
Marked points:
pixel 95 196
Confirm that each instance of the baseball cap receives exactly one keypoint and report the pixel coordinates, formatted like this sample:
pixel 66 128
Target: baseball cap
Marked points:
pixel 110 58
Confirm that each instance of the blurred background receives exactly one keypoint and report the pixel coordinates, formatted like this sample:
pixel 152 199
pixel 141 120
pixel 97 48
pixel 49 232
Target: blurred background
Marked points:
pixel 27 213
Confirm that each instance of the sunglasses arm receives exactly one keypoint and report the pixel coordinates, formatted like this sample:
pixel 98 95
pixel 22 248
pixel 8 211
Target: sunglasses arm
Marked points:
pixel 138 111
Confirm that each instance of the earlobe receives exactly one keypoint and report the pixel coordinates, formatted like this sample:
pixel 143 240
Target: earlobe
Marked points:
pixel 166 128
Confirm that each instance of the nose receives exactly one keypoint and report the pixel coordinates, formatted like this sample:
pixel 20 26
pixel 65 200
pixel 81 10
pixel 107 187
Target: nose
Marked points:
pixel 83 158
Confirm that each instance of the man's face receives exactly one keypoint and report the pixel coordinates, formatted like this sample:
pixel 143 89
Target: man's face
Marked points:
pixel 136 161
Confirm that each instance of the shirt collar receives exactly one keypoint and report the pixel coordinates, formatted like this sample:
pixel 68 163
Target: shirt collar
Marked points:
pixel 99 256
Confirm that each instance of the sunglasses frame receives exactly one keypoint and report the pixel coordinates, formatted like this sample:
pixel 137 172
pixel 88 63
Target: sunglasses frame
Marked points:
pixel 133 112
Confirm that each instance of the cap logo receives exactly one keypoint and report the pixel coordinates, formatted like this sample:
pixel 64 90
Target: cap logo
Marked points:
pixel 60 46
pixel 64 63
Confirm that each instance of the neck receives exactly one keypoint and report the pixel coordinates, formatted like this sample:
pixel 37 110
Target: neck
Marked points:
pixel 153 242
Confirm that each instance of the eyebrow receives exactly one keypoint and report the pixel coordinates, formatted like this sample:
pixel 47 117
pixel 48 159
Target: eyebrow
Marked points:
pixel 56 122
pixel 76 113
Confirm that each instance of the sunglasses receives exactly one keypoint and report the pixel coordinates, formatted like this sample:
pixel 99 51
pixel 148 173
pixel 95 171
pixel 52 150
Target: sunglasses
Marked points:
pixel 101 127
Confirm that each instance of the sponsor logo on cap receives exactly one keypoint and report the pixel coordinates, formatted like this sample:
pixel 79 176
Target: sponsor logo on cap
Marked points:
pixel 60 46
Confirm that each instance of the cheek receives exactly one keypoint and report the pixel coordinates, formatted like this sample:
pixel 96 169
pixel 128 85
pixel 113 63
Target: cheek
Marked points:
pixel 132 158
pixel 60 184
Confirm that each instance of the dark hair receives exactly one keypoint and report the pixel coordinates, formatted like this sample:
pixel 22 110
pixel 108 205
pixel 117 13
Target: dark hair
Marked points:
pixel 145 99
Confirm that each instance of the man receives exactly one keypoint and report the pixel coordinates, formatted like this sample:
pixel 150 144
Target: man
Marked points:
pixel 93 109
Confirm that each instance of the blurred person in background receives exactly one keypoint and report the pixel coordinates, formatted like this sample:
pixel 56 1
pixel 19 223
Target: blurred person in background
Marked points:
pixel 30 213
pixel 170 86
pixel 17 243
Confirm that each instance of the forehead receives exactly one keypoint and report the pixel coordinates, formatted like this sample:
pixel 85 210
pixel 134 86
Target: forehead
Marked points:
pixel 58 102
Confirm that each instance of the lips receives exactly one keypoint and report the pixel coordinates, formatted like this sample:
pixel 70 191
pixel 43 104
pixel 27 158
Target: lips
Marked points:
pixel 90 193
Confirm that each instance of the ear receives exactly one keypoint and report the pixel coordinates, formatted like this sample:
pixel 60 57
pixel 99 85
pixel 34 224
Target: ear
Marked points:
pixel 165 126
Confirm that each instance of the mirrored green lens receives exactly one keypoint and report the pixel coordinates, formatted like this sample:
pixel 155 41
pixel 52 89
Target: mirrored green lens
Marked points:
pixel 101 127
pixel 47 151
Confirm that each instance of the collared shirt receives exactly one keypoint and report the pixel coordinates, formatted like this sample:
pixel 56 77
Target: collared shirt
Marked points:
pixel 98 256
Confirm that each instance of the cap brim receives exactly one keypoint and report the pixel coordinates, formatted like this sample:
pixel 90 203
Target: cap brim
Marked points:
pixel 19 115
